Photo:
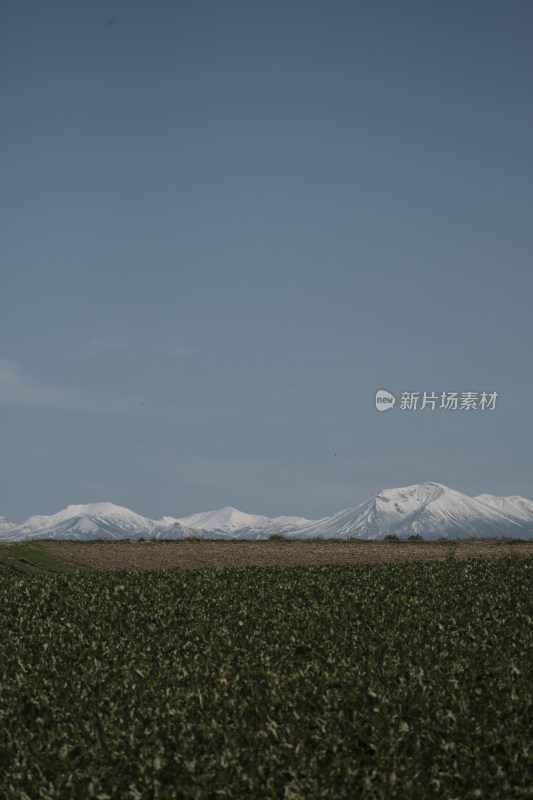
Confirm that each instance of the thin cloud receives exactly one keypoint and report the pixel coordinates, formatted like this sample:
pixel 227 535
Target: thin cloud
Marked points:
pixel 19 388
pixel 97 347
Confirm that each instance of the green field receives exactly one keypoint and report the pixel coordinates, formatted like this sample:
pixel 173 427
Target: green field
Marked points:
pixel 32 557
pixel 376 681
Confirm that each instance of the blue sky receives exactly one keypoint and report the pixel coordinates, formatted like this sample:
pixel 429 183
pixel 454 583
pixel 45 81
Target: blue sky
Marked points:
pixel 227 224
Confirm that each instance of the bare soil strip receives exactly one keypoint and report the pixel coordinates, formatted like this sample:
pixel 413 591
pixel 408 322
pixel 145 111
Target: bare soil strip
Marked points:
pixel 194 554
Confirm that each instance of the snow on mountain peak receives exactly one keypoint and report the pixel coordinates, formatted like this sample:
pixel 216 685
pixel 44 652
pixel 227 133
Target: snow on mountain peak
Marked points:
pixel 515 505
pixel 82 510
pixel 419 493
pixel 223 519
pixel 88 520
pixel 429 509
pixel 165 521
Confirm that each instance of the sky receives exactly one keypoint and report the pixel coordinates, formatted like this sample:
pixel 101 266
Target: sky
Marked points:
pixel 226 225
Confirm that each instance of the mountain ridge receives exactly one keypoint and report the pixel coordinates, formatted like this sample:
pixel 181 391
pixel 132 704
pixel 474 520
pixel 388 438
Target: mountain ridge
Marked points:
pixel 431 510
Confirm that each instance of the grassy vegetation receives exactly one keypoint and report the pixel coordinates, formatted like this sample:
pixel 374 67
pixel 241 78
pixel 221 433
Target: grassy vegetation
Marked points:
pixel 376 681
pixel 32 557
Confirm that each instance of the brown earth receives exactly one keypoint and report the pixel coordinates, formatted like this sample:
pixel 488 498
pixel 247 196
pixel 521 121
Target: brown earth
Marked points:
pixel 192 554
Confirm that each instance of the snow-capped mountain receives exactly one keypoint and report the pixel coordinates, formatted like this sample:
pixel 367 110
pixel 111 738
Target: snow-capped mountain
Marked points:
pixel 430 510
pixel 6 527
pixel 109 521
pixel 86 522
pixel 514 506
pixel 227 519
pixel 229 523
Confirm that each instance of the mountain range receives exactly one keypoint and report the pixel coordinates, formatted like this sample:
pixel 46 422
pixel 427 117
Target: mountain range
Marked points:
pixel 430 510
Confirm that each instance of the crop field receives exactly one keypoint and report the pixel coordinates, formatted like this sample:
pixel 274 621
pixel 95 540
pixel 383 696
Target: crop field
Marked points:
pixel 341 681
pixel 67 556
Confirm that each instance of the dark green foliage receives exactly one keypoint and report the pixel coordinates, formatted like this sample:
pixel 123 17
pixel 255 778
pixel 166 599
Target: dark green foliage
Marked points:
pixel 406 681
pixel 32 557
